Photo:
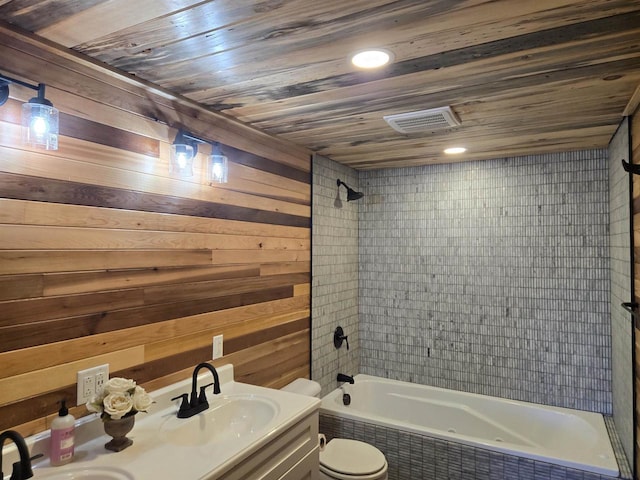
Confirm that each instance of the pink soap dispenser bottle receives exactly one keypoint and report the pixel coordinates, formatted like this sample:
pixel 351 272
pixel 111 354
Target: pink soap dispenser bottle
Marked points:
pixel 62 437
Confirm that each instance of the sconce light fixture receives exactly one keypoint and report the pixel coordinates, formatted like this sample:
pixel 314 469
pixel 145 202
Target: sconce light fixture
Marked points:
pixel 40 119
pixel 184 150
pixel 218 167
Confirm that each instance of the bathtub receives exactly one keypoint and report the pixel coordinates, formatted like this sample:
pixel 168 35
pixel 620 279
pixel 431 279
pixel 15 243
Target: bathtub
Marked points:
pixel 558 436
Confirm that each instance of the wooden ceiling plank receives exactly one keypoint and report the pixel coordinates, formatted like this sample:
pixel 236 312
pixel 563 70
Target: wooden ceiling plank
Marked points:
pixel 218 26
pixel 87 24
pixel 634 101
pixel 545 64
pixel 415 30
pixel 521 145
pixel 313 72
pixel 33 15
pixel 540 106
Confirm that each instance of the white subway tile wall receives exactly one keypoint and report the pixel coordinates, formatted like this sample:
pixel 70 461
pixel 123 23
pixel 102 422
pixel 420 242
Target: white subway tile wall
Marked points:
pixel 335 273
pixel 622 346
pixel 491 277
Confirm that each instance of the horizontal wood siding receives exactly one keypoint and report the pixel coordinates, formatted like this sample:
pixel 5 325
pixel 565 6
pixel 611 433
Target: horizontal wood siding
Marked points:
pixel 104 258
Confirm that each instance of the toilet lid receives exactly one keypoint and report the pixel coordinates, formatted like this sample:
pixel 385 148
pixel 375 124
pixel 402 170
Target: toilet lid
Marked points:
pixel 352 457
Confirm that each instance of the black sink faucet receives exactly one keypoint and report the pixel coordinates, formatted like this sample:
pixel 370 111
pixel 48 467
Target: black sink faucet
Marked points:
pixel 198 402
pixel 22 469
pixel 345 378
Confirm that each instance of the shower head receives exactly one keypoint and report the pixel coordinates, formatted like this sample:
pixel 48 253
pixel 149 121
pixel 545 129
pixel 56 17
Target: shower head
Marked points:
pixel 351 193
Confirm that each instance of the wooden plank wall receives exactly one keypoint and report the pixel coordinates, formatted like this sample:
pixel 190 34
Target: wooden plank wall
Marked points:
pixel 106 259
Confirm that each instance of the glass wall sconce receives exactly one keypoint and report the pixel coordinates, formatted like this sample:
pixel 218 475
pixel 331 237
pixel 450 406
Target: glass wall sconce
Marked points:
pixel 218 165
pixel 183 151
pixel 40 119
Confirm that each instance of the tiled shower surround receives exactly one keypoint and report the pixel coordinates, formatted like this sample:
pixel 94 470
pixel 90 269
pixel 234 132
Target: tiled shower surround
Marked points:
pixel 335 273
pixel 490 277
pixel 621 334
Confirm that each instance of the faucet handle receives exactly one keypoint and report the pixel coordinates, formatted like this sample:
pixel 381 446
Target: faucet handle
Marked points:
pixel 184 405
pixel 202 398
pixel 339 337
pixel 16 473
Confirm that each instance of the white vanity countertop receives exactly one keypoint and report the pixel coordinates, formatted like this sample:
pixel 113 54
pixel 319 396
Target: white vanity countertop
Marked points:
pixel 160 454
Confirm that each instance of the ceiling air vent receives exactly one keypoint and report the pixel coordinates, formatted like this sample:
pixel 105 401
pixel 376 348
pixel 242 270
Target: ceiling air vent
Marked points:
pixel 424 120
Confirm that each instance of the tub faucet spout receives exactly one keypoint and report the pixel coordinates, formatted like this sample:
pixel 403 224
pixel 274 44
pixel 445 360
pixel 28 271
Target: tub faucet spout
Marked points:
pixel 22 469
pixel 345 378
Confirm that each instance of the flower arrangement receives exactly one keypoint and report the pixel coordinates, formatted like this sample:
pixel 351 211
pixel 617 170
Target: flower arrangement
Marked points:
pixel 119 398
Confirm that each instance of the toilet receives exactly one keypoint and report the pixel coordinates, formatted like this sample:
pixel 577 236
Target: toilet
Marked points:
pixel 344 459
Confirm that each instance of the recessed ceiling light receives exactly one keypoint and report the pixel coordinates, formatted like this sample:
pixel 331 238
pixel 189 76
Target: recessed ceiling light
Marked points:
pixel 373 58
pixel 454 150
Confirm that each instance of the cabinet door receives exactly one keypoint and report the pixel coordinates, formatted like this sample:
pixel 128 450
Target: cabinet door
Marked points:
pixel 275 459
pixel 306 469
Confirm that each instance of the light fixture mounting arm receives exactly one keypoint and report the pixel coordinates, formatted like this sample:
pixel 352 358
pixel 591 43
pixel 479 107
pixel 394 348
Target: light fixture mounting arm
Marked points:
pixel 187 138
pixel 5 81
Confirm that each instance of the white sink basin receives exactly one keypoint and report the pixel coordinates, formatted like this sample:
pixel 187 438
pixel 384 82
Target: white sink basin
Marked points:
pixel 98 473
pixel 228 417
pixel 238 424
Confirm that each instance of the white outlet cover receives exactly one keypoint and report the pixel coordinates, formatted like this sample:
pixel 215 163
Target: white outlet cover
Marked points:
pixel 217 347
pixel 102 377
pixel 90 379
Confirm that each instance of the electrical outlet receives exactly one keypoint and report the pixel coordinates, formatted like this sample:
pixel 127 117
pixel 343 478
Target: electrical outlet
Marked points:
pixel 88 386
pixel 217 347
pixel 102 377
pixel 90 382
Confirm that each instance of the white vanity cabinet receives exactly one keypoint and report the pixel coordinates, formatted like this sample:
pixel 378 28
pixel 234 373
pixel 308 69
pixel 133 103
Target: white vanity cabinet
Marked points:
pixel 291 455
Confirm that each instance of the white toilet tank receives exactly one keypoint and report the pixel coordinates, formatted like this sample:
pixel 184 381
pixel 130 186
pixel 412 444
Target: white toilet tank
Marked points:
pixel 303 386
pixel 343 459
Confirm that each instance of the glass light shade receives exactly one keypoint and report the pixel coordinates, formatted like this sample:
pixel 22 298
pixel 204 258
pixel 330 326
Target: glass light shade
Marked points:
pixel 455 150
pixel 371 58
pixel 181 162
pixel 218 168
pixel 40 125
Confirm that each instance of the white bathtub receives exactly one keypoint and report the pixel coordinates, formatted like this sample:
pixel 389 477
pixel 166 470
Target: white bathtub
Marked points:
pixel 560 436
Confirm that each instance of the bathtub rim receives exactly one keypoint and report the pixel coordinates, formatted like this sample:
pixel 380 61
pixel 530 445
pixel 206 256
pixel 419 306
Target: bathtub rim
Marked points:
pixel 330 406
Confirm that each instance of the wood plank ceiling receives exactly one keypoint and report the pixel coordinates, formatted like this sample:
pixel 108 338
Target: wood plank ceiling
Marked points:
pixel 524 76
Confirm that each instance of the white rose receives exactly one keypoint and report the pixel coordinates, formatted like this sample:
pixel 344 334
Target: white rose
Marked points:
pixel 119 385
pixel 141 400
pixel 116 405
pixel 95 404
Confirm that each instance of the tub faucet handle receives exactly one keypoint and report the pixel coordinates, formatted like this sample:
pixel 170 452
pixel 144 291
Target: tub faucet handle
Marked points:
pixel 339 337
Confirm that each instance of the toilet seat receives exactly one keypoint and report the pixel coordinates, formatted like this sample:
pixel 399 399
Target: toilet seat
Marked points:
pixel 344 459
